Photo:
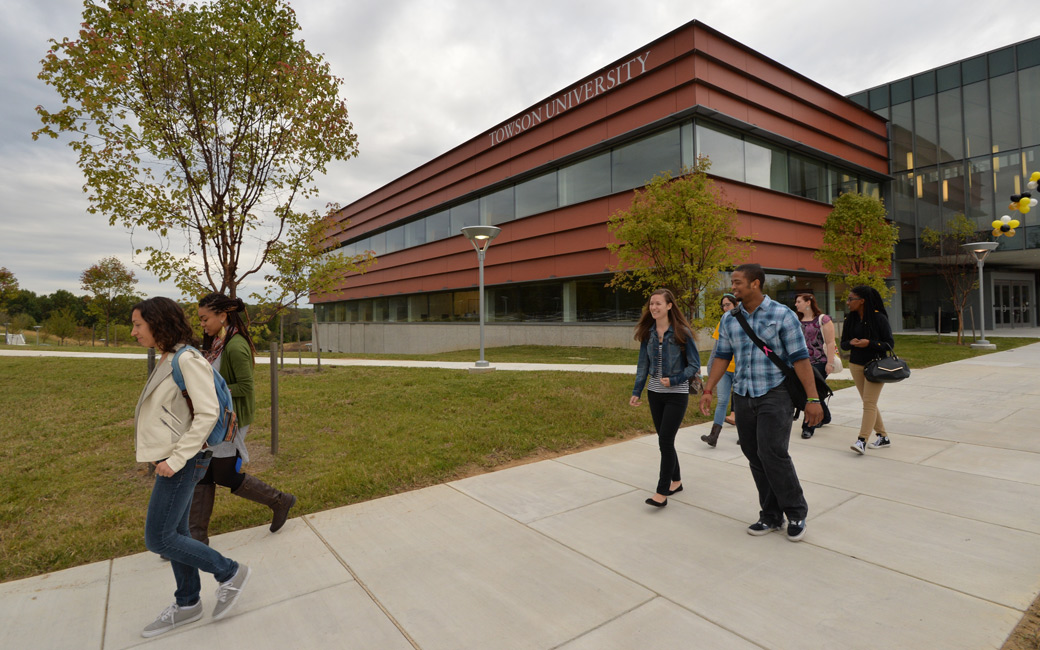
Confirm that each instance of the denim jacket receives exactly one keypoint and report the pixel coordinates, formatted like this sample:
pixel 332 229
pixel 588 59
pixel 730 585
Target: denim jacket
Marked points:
pixel 674 367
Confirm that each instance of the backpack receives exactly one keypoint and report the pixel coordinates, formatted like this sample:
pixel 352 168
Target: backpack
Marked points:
pixel 226 427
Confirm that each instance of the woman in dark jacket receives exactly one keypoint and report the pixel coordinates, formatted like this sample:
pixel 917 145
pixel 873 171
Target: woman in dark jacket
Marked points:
pixel 868 336
pixel 228 346
pixel 668 359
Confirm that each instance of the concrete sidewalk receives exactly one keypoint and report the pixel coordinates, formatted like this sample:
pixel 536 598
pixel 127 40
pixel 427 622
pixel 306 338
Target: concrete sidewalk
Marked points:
pixel 618 369
pixel 932 543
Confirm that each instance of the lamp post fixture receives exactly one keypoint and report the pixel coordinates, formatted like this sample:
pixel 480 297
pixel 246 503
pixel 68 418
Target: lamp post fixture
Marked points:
pixel 481 237
pixel 37 328
pixel 979 250
pixel 6 334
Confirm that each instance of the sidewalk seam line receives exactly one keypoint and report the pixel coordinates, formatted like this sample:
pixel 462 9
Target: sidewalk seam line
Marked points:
pixel 108 600
pixel 361 584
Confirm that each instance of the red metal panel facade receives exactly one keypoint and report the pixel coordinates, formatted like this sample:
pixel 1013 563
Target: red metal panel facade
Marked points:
pixel 694 66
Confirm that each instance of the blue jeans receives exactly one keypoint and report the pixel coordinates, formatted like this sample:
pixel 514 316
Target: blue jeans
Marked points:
pixel 166 532
pixel 722 390
pixel 764 427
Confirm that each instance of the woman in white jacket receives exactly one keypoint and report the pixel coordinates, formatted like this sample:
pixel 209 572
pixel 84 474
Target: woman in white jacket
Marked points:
pixel 168 436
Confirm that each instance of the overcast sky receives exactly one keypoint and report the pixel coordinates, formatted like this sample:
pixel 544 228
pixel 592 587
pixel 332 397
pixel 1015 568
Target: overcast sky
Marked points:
pixel 423 76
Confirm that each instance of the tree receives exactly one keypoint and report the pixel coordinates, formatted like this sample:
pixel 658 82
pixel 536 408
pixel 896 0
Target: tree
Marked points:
pixel 209 121
pixel 8 287
pixel 112 286
pixel 858 241
pixel 953 262
pixel 62 323
pixel 679 233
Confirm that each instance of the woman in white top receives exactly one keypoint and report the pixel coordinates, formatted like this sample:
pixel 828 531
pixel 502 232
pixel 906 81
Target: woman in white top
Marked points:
pixel 171 434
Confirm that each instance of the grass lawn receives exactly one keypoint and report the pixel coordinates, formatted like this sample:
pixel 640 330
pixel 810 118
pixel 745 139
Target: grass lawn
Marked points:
pixel 73 494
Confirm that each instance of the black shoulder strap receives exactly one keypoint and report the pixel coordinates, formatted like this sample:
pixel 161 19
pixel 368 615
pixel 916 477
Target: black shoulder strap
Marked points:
pixel 739 315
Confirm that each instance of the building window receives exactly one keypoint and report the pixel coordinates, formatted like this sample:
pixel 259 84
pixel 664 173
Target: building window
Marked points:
pixel 467 214
pixel 536 195
pixel 415 233
pixel 395 239
pixel 807 178
pixel 498 207
pixel 951 131
pixel 377 244
pixel 1004 116
pixel 466 305
pixel 726 151
pixel 1029 98
pixel 926 132
pixel 438 226
pixel 441 307
pixel 980 192
pixel 585 180
pixel 635 164
pixel 765 165
pixel 902 137
pixel 397 309
pixel 976 119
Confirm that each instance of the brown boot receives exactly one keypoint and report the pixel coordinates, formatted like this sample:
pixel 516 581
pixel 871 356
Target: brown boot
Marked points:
pixel 713 437
pixel 256 490
pixel 201 511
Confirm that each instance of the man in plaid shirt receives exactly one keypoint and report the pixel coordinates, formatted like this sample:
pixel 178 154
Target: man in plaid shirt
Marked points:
pixel 761 403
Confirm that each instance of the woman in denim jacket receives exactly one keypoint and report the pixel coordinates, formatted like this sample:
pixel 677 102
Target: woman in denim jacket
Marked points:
pixel 668 359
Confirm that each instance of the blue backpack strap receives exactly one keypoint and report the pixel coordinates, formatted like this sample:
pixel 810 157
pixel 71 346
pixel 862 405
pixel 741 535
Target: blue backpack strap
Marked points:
pixel 178 377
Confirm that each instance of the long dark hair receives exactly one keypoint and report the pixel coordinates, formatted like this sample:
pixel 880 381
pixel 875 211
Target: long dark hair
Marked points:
pixel 221 304
pixel 167 321
pixel 675 317
pixel 873 304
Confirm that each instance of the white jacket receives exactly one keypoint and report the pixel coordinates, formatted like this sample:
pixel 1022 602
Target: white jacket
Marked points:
pixel 163 426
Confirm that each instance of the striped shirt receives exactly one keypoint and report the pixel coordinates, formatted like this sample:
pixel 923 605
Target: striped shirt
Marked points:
pixel 781 331
pixel 654 380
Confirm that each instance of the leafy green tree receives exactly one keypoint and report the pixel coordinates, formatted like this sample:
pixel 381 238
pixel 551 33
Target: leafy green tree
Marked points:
pixel 22 322
pixel 206 121
pixel 61 323
pixel 112 287
pixel 955 264
pixel 679 233
pixel 858 241
pixel 8 287
pixel 62 299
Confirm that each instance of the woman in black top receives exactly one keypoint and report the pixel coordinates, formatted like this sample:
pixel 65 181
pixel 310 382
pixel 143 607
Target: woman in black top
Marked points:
pixel 867 335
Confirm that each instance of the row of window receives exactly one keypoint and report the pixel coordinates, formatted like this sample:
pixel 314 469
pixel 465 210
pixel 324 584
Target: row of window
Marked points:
pixel 626 167
pixel 979 188
pixel 587 300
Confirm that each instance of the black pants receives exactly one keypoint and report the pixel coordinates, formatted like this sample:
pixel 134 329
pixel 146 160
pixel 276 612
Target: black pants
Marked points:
pixel 822 367
pixel 222 472
pixel 764 427
pixel 667 410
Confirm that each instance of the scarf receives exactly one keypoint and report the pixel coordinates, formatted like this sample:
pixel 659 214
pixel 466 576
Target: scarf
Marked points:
pixel 217 346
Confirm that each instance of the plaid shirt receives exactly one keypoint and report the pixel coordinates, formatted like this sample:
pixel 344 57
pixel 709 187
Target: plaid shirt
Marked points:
pixel 779 328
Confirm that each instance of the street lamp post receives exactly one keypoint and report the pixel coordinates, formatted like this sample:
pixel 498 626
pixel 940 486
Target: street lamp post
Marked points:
pixel 37 328
pixel 481 237
pixel 6 334
pixel 980 250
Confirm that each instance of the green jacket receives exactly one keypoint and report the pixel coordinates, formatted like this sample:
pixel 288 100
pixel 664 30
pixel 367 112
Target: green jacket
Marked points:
pixel 236 367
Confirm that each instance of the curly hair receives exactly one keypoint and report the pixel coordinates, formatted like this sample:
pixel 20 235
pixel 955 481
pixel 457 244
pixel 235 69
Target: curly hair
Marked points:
pixel 221 304
pixel 167 322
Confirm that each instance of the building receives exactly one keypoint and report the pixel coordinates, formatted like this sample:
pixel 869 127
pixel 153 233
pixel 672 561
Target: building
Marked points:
pixel 550 176
pixel 964 138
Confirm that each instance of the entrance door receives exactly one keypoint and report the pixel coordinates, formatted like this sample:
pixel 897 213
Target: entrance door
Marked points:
pixel 1011 303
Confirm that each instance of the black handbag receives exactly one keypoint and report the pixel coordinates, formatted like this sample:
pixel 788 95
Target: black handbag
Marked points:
pixel 887 369
pixel 791 381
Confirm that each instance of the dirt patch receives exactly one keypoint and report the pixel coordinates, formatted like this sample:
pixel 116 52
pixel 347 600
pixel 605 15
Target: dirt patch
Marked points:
pixel 1026 635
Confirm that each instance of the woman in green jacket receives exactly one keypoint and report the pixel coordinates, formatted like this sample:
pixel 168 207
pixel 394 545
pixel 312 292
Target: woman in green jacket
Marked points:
pixel 228 346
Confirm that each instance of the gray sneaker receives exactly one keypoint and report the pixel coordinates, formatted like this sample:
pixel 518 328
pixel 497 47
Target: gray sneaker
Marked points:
pixel 171 617
pixel 228 592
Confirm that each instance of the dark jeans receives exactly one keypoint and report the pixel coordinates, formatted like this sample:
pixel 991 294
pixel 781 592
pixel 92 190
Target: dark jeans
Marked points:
pixel 667 410
pixel 166 532
pixel 822 367
pixel 764 427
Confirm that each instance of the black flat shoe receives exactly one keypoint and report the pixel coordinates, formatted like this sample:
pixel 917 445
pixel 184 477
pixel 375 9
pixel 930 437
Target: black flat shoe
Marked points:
pixel 650 502
pixel 675 491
